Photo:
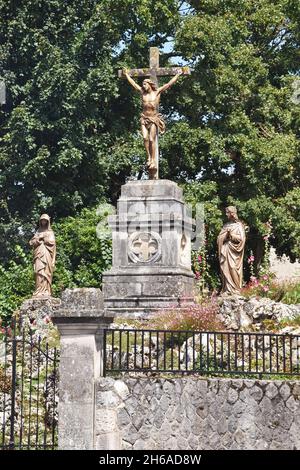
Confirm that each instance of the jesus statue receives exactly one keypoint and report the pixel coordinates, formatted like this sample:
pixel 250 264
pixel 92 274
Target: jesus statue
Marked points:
pixel 151 120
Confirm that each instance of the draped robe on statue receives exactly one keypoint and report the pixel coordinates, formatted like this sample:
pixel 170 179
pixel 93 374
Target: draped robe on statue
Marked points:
pixel 44 246
pixel 231 254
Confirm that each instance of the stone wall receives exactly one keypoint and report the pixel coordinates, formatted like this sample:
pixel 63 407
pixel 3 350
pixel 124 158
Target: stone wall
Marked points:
pixel 247 314
pixel 194 413
pixel 282 267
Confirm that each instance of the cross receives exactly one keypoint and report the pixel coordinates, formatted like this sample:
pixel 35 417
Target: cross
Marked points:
pixel 153 72
pixel 144 247
pixel 2 92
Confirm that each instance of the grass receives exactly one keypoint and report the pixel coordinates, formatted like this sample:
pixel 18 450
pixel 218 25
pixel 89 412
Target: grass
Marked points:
pixel 292 293
pixel 287 292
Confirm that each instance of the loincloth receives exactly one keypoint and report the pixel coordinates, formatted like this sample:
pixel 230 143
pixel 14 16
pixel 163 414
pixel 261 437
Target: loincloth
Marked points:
pixel 157 119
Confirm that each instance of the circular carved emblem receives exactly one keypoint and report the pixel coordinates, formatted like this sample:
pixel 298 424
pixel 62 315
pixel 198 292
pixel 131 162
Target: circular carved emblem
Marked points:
pixel 144 247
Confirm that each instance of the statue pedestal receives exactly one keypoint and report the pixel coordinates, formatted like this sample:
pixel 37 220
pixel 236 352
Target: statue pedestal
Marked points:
pixel 37 309
pixel 151 251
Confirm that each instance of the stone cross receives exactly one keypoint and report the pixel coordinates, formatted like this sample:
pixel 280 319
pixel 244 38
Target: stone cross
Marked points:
pixel 144 248
pixel 2 92
pixel 154 71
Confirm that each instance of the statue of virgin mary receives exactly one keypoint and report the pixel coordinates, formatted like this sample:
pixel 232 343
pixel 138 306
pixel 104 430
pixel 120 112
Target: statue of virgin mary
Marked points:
pixel 231 245
pixel 43 243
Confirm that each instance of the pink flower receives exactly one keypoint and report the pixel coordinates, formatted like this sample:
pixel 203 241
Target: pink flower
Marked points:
pixel 254 281
pixel 265 277
pixel 265 288
pixel 197 275
pixel 266 237
pixel 251 259
pixel 200 258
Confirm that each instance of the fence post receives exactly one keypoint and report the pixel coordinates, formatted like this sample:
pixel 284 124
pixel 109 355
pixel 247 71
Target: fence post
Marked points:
pixel 79 319
pixel 13 389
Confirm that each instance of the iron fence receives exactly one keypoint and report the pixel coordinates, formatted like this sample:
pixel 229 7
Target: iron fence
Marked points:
pixel 203 352
pixel 28 391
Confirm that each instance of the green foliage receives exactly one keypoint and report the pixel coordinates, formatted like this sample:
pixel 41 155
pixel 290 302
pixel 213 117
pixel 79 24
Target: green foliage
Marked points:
pixel 82 255
pixel 292 293
pixel 285 292
pixel 16 281
pixel 68 133
pixel 238 127
pixel 198 317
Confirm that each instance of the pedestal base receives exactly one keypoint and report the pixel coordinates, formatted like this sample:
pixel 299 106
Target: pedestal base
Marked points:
pixel 151 251
pixel 140 295
pixel 39 307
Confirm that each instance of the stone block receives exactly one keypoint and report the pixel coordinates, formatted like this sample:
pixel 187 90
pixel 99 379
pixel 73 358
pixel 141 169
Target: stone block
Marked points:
pixel 75 429
pixel 285 391
pixel 38 309
pixel 107 399
pixel 151 188
pixel 121 389
pixel 81 302
pixel 271 390
pixel 76 379
pixel 108 441
pixel 106 420
pixel 151 250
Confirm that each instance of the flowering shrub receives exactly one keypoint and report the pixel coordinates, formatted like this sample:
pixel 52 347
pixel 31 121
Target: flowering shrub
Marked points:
pixel 260 287
pixel 199 267
pixel 6 330
pixel 262 284
pixel 291 293
pixel 38 330
pixel 202 270
pixel 42 329
pixel 198 317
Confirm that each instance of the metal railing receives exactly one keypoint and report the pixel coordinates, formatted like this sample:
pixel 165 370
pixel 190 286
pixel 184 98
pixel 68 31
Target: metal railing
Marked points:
pixel 203 352
pixel 28 391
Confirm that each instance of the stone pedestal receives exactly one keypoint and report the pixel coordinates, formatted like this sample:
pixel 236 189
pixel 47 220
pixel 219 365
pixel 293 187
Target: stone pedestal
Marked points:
pixel 151 251
pixel 80 321
pixel 38 309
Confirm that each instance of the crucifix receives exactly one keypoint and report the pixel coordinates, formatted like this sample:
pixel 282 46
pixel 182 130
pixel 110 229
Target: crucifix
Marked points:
pixel 151 120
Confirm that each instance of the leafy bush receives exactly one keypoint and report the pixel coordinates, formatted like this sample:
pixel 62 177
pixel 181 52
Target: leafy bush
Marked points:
pixel 286 292
pixel 82 256
pixel 16 283
pixel 82 250
pixel 200 317
pixel 291 293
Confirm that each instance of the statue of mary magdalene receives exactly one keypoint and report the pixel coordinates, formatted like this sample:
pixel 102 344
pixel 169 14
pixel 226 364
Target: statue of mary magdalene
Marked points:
pixel 231 245
pixel 43 243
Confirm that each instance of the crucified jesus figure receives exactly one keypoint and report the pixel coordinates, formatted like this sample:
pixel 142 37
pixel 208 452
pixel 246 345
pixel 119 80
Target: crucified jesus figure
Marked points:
pixel 151 120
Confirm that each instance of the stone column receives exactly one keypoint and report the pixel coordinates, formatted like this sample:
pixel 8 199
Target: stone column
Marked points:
pixel 151 268
pixel 80 321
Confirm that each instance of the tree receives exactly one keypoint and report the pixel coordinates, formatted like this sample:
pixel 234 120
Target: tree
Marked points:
pixel 68 133
pixel 83 253
pixel 238 129
pixel 66 139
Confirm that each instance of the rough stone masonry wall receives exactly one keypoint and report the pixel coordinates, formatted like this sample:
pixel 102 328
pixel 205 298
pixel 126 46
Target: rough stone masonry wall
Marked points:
pixel 194 413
